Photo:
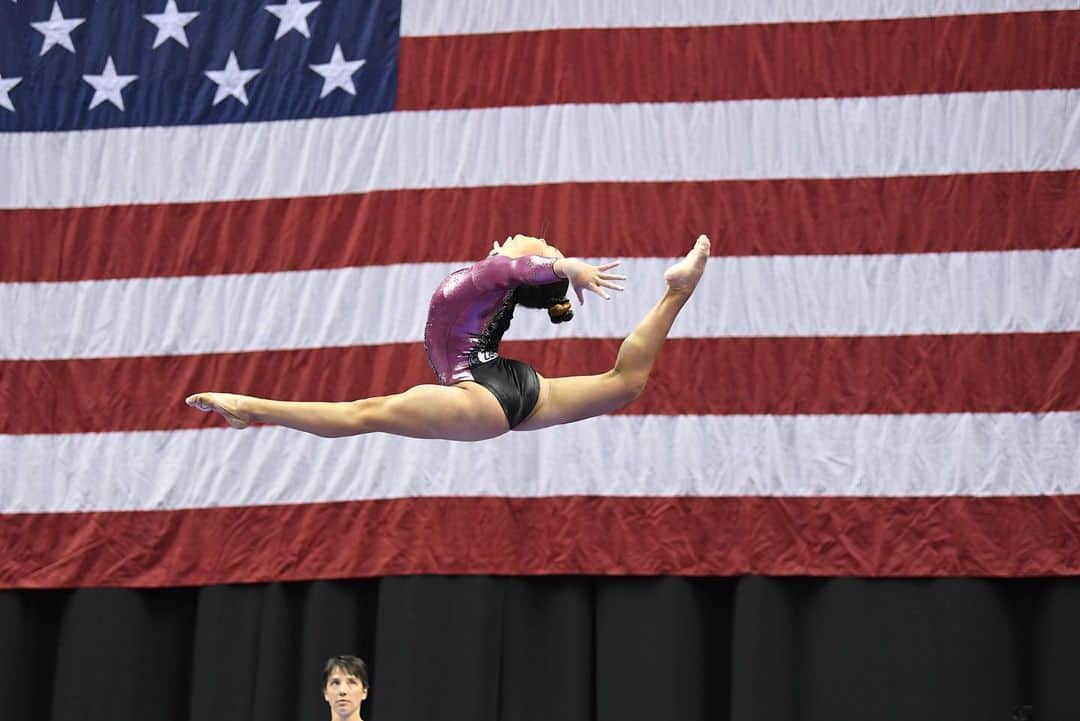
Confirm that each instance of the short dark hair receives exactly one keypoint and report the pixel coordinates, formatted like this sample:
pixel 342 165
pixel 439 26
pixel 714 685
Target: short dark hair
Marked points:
pixel 349 664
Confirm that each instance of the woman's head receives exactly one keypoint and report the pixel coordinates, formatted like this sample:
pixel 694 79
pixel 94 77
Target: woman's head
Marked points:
pixel 345 686
pixel 550 297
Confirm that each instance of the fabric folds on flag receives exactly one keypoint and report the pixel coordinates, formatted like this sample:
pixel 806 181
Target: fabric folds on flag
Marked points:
pixel 879 375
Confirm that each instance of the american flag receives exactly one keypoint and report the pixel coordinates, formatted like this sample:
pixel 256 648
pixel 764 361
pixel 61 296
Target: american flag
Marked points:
pixel 879 374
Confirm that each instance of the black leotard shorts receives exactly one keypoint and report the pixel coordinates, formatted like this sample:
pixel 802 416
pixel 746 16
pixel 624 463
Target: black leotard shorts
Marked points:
pixel 513 383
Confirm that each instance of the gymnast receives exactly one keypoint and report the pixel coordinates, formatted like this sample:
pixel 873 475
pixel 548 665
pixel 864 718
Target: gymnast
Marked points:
pixel 480 394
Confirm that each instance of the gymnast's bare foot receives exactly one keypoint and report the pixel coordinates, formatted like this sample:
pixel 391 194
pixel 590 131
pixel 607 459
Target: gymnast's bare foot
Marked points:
pixel 228 405
pixel 683 277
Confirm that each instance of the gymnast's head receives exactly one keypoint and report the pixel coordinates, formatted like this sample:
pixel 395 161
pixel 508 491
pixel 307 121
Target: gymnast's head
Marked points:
pixel 345 686
pixel 551 297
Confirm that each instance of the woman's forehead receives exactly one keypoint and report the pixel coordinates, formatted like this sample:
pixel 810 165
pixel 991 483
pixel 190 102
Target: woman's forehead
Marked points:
pixel 340 673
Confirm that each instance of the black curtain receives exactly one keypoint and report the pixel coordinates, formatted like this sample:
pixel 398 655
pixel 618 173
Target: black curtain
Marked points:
pixel 567 648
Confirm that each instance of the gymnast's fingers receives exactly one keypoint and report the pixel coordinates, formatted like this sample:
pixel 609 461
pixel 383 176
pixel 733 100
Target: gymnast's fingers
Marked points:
pixel 595 288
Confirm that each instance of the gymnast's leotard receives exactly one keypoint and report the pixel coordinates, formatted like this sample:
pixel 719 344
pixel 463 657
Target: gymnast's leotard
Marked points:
pixel 469 312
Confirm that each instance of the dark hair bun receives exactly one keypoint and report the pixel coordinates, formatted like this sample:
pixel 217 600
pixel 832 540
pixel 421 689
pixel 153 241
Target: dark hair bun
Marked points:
pixel 550 297
pixel 561 311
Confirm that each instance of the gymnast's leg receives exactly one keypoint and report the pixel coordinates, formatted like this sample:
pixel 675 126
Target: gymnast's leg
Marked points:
pixel 565 400
pixel 462 412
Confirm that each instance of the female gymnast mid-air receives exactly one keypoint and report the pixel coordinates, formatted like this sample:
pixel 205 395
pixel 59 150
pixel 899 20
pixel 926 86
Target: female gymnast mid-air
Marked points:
pixel 480 394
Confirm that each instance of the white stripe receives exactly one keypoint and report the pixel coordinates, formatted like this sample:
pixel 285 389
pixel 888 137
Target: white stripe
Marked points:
pixel 893 455
pixel 816 138
pixel 454 17
pixel 1016 291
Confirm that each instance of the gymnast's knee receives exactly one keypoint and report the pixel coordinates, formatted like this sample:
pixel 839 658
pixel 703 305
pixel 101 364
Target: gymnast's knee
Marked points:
pixel 361 416
pixel 629 385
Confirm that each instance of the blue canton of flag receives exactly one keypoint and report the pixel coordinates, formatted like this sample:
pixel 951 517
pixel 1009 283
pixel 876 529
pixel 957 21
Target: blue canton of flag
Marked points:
pixel 80 64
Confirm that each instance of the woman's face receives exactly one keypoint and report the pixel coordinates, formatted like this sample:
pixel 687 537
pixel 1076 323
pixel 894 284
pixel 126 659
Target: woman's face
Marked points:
pixel 344 693
pixel 519 245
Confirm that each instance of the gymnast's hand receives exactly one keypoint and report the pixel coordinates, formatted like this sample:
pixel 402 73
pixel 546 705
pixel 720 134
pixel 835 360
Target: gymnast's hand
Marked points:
pixel 588 277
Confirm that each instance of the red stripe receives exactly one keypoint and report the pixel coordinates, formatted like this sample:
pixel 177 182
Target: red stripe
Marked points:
pixel 1010 211
pixel 1008 51
pixel 951 536
pixel 1008 373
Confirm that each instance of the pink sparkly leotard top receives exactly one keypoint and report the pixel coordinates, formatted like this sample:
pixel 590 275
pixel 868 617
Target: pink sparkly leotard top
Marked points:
pixel 472 308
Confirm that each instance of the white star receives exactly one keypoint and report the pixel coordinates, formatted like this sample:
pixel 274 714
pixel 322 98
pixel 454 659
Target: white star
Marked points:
pixel 6 84
pixel 57 30
pixel 293 16
pixel 338 73
pixel 231 80
pixel 170 24
pixel 108 85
